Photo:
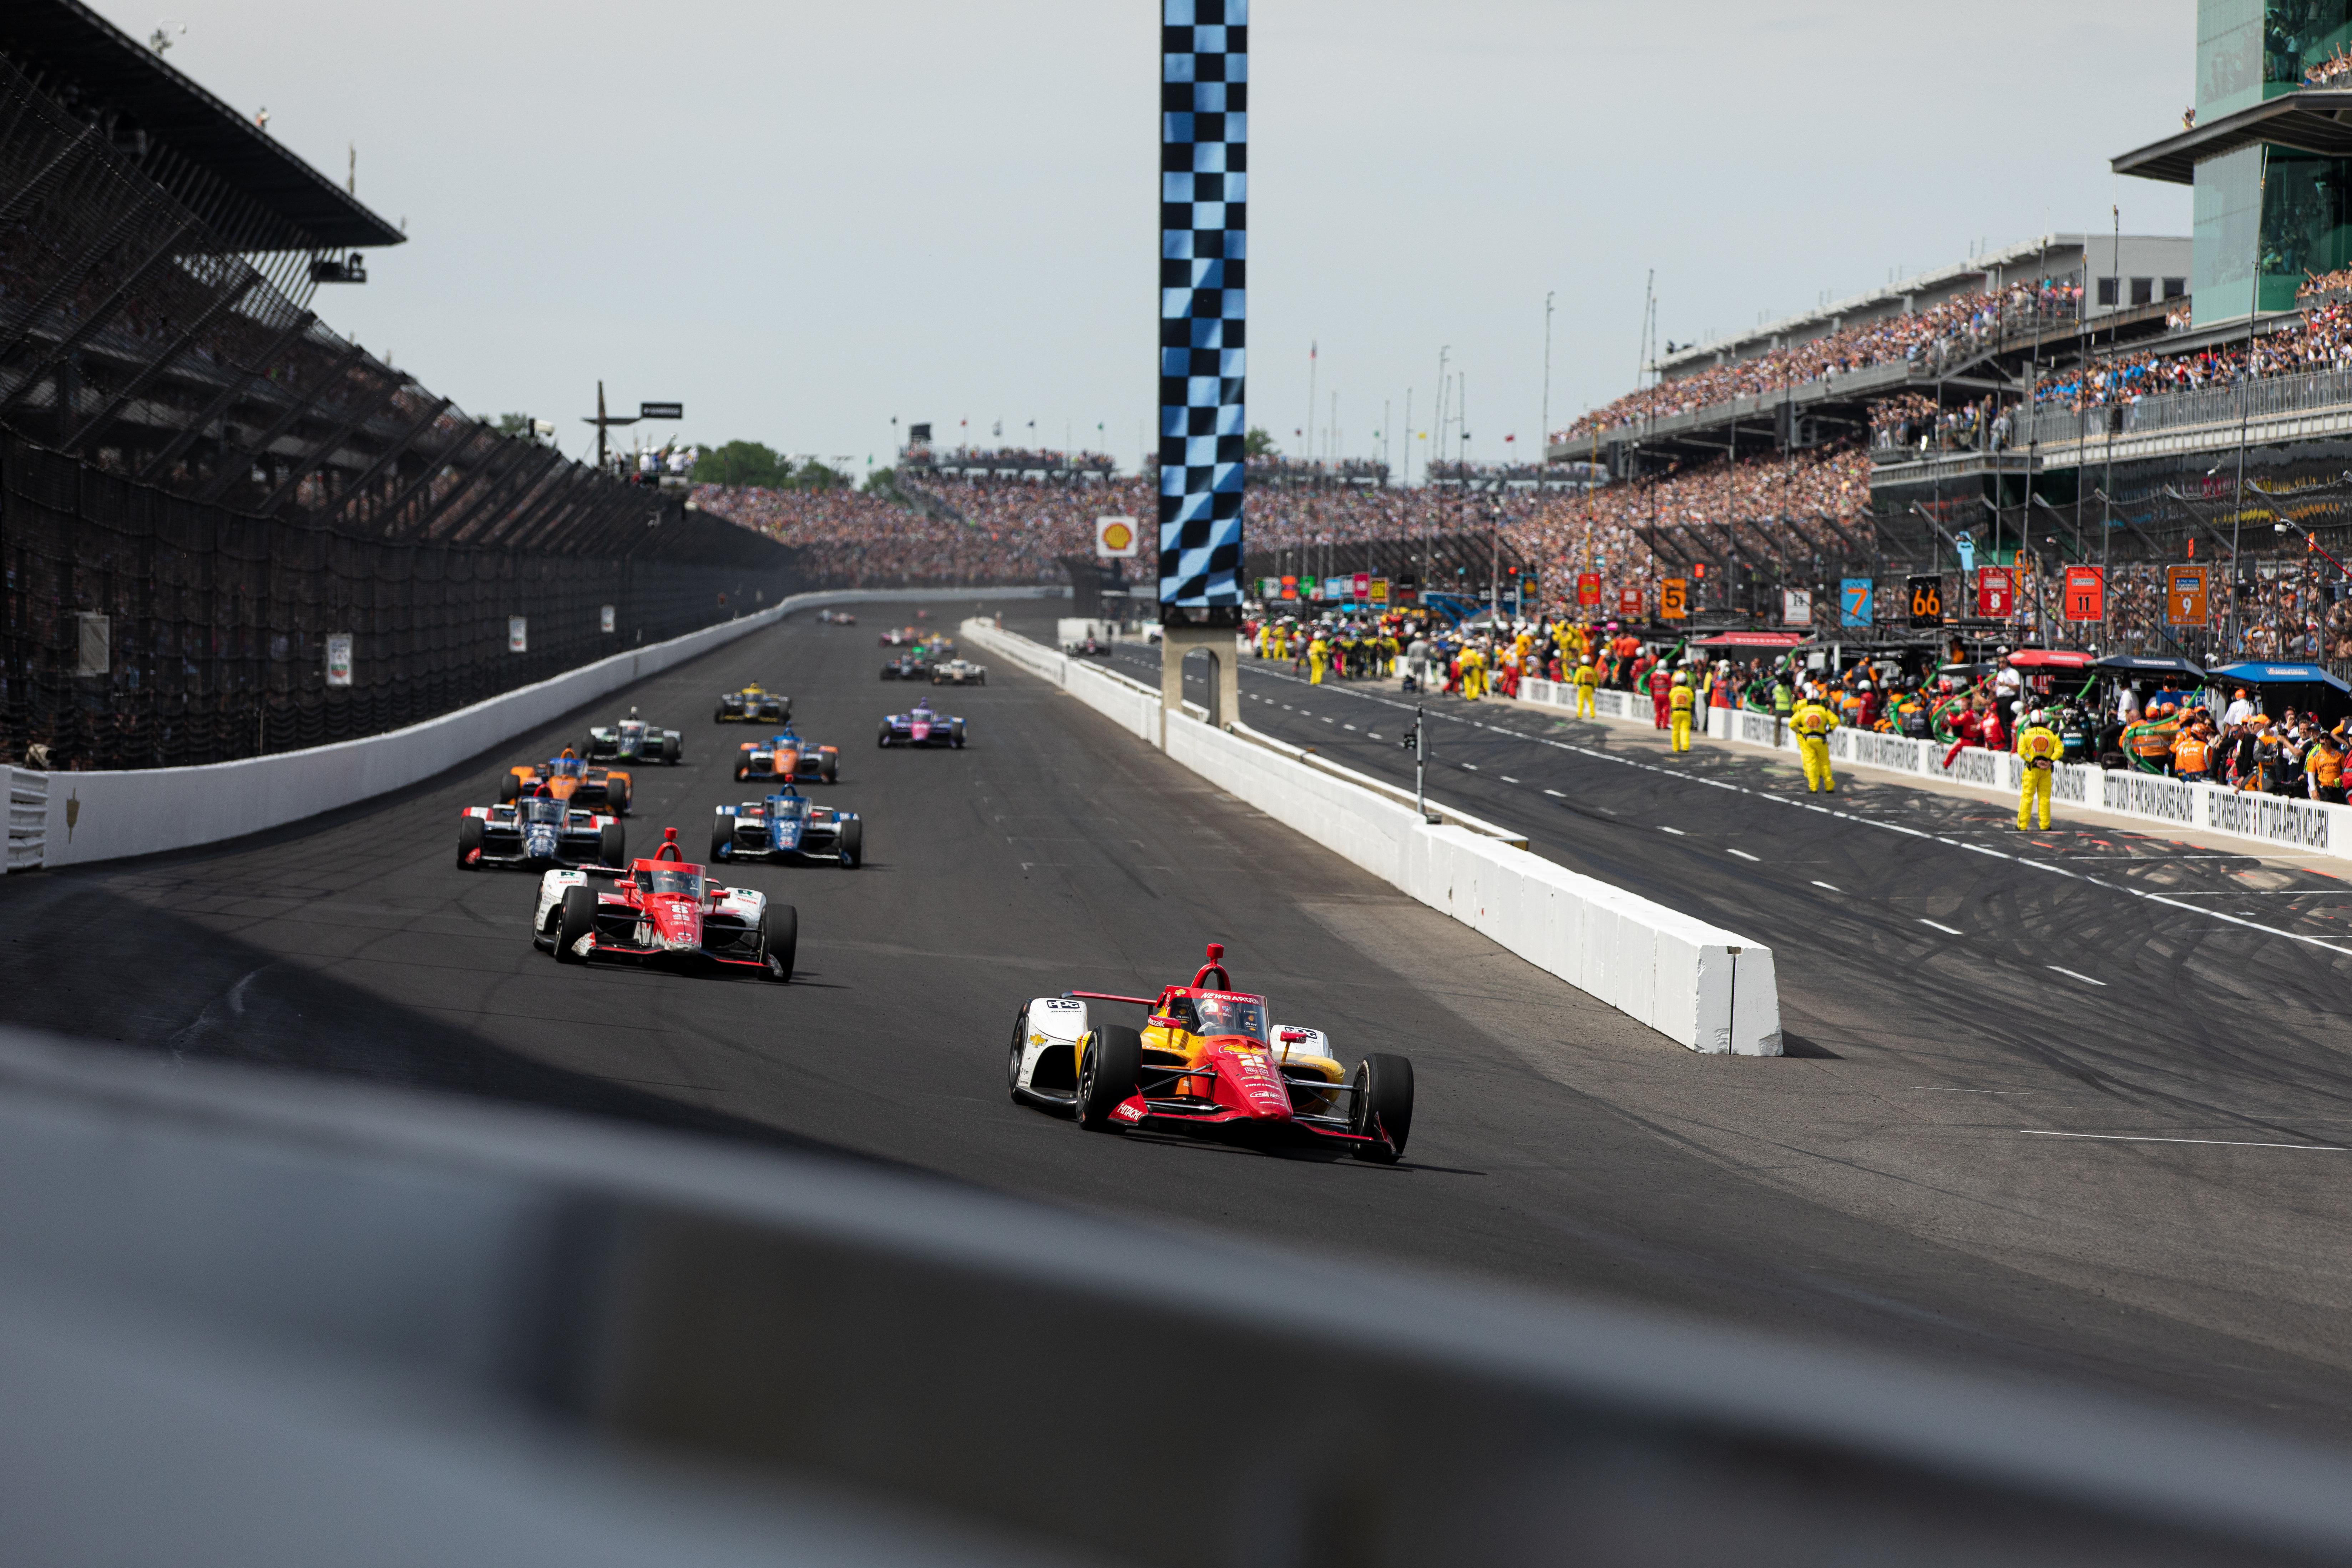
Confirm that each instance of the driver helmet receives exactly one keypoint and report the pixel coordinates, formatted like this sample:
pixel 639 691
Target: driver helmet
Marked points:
pixel 632 709
pixel 1680 679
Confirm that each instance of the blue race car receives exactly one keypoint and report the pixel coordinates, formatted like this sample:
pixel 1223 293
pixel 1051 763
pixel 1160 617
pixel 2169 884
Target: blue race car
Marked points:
pixel 536 832
pixel 787 827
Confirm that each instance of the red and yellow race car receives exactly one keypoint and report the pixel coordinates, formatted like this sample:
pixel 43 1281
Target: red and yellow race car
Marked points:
pixel 1207 1060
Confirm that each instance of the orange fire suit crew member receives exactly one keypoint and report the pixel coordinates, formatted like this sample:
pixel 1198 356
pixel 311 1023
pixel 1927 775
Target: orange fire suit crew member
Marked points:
pixel 1680 701
pixel 1812 723
pixel 2191 755
pixel 1588 677
pixel 2039 744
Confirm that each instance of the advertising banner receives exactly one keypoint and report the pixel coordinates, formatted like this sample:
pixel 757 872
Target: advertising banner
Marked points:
pixel 2086 593
pixel 1588 590
pixel 1361 589
pixel 339 658
pixel 1379 591
pixel 2185 589
pixel 1290 587
pixel 1854 601
pixel 1115 538
pixel 1673 599
pixel 1796 606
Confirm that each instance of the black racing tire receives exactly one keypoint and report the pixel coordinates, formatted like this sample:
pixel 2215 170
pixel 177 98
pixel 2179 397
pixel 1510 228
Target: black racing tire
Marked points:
pixel 674 749
pixel 1110 1062
pixel 981 680
pixel 613 846
pixel 577 920
pixel 1020 1049
pixel 882 738
pixel 832 767
pixel 718 715
pixel 722 838
pixel 853 844
pixel 616 795
pixel 510 789
pixel 779 939
pixel 741 772
pixel 469 839
pixel 1383 1099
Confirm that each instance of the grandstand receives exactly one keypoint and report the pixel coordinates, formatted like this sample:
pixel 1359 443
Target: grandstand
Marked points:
pixel 204 482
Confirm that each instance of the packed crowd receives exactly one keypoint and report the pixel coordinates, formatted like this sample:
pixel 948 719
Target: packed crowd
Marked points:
pixel 2333 71
pixel 2321 340
pixel 2324 283
pixel 1924 339
pixel 1913 420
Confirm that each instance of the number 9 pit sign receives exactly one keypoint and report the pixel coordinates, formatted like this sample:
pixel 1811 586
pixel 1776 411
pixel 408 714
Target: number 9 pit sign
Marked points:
pixel 1115 538
pixel 2184 596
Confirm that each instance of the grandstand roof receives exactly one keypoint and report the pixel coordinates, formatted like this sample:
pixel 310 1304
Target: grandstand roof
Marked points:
pixel 2307 121
pixel 67 40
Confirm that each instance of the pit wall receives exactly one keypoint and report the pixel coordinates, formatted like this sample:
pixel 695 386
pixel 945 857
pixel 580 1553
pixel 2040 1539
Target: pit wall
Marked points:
pixel 2160 802
pixel 1703 987
pixel 107 815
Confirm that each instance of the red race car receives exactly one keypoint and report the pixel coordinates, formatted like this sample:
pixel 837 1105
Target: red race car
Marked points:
pixel 1207 1060
pixel 664 910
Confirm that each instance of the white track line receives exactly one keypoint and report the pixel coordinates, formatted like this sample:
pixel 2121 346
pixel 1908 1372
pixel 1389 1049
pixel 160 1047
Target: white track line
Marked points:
pixel 1744 855
pixel 1940 926
pixel 2221 1142
pixel 1676 831
pixel 2072 975
pixel 1831 886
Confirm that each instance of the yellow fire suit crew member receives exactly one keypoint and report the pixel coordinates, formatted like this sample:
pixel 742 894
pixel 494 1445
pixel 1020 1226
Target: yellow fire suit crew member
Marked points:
pixel 1679 702
pixel 1318 654
pixel 1473 674
pixel 1813 723
pixel 1588 677
pixel 2039 744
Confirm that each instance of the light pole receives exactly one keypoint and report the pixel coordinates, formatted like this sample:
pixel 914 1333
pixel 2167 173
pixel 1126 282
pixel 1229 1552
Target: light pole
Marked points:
pixel 1543 434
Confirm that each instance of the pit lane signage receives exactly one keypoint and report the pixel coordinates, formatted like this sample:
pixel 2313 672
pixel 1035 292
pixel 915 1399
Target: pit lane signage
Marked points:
pixel 1379 591
pixel 1796 606
pixel 1926 594
pixel 1588 590
pixel 1673 599
pixel 2185 589
pixel 339 658
pixel 1629 603
pixel 2086 593
pixel 606 619
pixel 518 635
pixel 1854 601
pixel 1996 592
pixel 1360 590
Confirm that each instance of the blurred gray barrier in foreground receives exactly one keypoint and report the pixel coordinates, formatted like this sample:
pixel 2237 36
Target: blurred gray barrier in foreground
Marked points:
pixel 256 1320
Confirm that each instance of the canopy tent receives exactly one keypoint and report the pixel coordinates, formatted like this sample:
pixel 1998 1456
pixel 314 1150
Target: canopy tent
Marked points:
pixel 2050 659
pixel 2280 675
pixel 1779 642
pixel 2150 664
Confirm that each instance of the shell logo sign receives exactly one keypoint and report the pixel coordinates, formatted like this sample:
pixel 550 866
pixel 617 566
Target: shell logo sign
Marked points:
pixel 1115 538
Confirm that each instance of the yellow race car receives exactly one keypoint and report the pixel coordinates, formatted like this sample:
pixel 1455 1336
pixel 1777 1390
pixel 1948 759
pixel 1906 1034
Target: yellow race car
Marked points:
pixel 1207 1060
pixel 755 704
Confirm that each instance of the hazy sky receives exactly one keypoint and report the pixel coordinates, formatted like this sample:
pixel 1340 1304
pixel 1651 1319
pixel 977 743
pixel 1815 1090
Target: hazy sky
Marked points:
pixel 802 220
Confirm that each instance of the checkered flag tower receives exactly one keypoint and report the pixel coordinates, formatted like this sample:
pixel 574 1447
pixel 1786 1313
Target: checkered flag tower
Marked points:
pixel 1204 259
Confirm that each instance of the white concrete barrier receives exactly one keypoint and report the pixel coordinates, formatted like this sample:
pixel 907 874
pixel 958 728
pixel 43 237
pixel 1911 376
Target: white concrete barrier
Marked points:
pixel 1701 987
pixel 107 815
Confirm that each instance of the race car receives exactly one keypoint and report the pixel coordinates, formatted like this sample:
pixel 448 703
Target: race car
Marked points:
pixel 538 833
pixel 958 672
pixel 921 727
pixel 632 740
pixel 900 636
pixel 1207 1060
pixel 664 910
pixel 755 704
pixel 569 778
pixel 907 667
pixel 836 617
pixel 1087 647
pixel 784 755
pixel 788 826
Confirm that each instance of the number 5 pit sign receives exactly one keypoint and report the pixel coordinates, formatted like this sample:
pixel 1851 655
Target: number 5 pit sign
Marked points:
pixel 2086 593
pixel 2184 596
pixel 1673 599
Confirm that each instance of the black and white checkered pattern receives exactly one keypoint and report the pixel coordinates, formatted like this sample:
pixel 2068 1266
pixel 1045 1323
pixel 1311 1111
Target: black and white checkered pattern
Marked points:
pixel 1203 261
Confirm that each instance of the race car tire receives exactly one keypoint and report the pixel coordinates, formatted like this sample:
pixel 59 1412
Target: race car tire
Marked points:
pixel 853 845
pixel 1383 1095
pixel 510 789
pixel 674 749
pixel 779 939
pixel 959 738
pixel 616 795
pixel 613 846
pixel 577 919
pixel 722 838
pixel 1110 1062
pixel 981 680
pixel 741 772
pixel 883 738
pixel 718 715
pixel 469 840
pixel 1019 1047
pixel 832 767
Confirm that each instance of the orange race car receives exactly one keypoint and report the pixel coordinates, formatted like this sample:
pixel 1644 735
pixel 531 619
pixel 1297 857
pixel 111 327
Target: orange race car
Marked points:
pixel 785 756
pixel 567 777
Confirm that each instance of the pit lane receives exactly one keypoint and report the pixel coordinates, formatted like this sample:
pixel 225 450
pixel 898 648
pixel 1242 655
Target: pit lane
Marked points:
pixel 1878 1188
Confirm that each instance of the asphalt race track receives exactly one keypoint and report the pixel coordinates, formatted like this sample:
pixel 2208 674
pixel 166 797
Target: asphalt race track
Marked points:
pixel 1919 1177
